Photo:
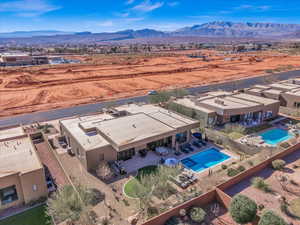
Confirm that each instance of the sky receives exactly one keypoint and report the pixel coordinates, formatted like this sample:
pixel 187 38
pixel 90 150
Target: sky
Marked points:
pixel 115 15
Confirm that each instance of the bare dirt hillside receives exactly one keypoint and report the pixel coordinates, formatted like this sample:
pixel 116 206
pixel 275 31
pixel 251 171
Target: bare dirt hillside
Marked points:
pixel 24 90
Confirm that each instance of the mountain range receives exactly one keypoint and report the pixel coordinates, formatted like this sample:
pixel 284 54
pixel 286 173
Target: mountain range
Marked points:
pixel 217 29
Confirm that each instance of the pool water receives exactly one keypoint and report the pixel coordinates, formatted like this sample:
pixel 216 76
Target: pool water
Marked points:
pixel 204 160
pixel 275 136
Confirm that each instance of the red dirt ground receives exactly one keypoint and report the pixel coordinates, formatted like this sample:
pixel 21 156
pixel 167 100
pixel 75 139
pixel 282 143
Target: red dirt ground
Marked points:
pixel 24 90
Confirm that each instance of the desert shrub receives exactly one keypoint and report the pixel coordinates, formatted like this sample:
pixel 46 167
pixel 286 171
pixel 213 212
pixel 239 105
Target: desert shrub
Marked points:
pixel 197 214
pixel 152 211
pixel 271 218
pixel 285 145
pixel 241 168
pixel 278 164
pixel 235 135
pixel 251 163
pixel 104 172
pixel 231 172
pixel 242 209
pixel 261 207
pixel 260 184
pixel 224 167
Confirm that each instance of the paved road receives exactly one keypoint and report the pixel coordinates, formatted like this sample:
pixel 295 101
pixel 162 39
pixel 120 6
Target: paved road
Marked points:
pixel 90 108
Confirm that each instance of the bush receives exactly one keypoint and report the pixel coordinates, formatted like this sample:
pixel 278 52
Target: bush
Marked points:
pixel 278 164
pixel 224 167
pixel 197 214
pixel 285 145
pixel 241 168
pixel 261 207
pixel 231 172
pixel 260 184
pixel 242 209
pixel 271 218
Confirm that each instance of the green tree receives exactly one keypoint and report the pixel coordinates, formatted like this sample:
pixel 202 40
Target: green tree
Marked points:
pixel 271 218
pixel 242 209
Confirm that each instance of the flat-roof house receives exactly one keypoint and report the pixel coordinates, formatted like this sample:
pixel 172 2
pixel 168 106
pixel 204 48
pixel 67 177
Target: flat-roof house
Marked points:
pixel 116 136
pixel 214 109
pixel 22 177
pixel 15 59
pixel 287 92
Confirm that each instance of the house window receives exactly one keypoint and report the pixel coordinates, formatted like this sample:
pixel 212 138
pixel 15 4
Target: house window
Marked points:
pixel 34 187
pixel 8 195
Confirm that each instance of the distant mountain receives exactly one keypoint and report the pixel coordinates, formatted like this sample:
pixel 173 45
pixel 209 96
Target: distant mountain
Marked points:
pixel 230 29
pixel 24 34
pixel 217 29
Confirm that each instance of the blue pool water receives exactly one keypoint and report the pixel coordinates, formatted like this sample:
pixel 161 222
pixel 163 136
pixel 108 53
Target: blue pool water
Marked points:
pixel 275 136
pixel 204 160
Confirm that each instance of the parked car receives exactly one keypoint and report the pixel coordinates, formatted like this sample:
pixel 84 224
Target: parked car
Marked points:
pixel 152 92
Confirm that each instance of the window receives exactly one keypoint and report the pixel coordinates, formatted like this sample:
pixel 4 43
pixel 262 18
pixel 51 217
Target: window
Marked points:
pixel 8 195
pixel 34 187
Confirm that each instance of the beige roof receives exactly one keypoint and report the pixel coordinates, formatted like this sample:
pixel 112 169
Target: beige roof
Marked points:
pixel 18 156
pixel 88 140
pixel 261 86
pixel 227 103
pixel 163 115
pixel 285 86
pixel 11 132
pixel 257 90
pixel 260 100
pixel 129 129
pixel 187 102
pixel 273 91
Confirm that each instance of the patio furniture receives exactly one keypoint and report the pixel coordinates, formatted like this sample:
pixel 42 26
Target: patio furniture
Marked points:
pixel 162 151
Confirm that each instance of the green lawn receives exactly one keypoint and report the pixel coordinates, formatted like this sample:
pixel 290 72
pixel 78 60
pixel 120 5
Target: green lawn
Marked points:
pixel 35 216
pixel 130 186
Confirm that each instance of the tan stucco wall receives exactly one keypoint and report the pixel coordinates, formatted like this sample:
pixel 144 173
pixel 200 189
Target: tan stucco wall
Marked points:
pixel 290 99
pixel 93 157
pixel 37 178
pixel 10 181
pixel 24 186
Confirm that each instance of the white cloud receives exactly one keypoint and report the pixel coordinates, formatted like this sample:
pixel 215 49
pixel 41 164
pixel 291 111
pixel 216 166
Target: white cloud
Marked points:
pixel 28 8
pixel 107 23
pixel 253 7
pixel 129 2
pixel 173 4
pixel 148 6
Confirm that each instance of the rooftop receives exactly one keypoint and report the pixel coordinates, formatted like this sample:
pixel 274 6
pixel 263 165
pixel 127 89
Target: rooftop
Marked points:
pixel 18 156
pixel 7 133
pixel 285 86
pixel 188 102
pixel 253 98
pixel 89 140
pixel 129 129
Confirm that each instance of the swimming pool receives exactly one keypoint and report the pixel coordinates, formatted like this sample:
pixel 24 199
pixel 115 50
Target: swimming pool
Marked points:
pixel 275 136
pixel 204 160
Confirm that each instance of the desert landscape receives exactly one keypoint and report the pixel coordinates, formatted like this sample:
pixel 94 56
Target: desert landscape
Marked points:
pixel 100 78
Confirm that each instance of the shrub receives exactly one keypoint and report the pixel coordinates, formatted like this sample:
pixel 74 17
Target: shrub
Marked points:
pixel 182 212
pixel 242 209
pixel 261 207
pixel 224 167
pixel 152 211
pixel 285 145
pixel 260 184
pixel 241 168
pixel 278 164
pixel 271 218
pixel 231 172
pixel 197 214
pixel 251 163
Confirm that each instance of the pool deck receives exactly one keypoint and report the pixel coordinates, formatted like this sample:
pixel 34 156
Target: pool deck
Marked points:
pixel 152 158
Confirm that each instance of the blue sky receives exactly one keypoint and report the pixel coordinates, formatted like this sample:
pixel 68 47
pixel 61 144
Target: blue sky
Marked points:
pixel 113 15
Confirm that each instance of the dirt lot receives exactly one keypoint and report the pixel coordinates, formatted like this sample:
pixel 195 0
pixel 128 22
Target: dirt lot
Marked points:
pixel 24 90
pixel 271 200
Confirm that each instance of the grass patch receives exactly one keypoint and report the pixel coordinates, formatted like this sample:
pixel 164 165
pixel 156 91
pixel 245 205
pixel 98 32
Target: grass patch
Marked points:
pixel 35 216
pixel 235 135
pixel 131 185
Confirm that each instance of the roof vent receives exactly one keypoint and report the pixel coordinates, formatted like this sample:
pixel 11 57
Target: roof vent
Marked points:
pixel 219 101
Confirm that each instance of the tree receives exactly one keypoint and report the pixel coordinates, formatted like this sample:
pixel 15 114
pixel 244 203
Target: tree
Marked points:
pixel 68 204
pixel 271 218
pixel 278 164
pixel 160 97
pixel 242 209
pixel 103 171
